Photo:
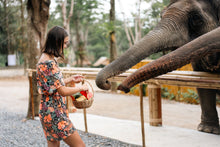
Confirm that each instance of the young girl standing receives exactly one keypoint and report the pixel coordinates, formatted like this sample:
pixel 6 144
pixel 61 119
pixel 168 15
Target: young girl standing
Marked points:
pixel 53 112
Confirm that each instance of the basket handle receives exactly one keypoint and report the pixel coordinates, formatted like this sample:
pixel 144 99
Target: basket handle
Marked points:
pixel 89 85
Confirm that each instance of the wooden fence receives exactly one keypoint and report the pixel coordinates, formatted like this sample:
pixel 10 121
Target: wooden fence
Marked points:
pixel 177 78
pixel 173 90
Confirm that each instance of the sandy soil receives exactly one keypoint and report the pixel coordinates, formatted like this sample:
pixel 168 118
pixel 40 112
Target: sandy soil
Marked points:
pixel 14 97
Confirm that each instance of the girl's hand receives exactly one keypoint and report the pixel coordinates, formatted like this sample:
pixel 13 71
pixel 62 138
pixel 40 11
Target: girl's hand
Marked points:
pixel 77 78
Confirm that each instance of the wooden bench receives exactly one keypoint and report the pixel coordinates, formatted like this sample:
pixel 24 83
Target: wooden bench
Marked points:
pixel 177 78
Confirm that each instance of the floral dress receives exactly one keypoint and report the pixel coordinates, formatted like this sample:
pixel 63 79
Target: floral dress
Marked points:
pixel 53 112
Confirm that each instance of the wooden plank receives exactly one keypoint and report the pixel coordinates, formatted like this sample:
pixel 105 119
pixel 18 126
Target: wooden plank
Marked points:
pixel 209 85
pixel 194 73
pixel 178 78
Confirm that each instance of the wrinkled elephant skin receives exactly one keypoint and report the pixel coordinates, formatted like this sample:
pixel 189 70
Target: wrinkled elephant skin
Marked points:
pixel 188 29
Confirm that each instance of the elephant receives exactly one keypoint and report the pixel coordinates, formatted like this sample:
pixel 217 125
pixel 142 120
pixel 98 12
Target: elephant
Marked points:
pixel 189 30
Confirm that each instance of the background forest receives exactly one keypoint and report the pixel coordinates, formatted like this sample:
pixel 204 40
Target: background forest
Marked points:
pixel 87 22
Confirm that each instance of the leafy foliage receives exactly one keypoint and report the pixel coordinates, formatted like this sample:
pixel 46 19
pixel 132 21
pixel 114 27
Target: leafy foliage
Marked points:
pixel 91 18
pixel 165 93
pixel 14 37
pixel 190 97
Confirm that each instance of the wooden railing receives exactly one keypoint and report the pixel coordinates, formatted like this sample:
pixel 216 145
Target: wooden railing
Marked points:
pixel 178 78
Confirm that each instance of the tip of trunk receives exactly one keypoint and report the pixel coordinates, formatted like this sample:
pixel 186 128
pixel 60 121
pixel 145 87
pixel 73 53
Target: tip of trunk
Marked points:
pixel 123 88
pixel 103 84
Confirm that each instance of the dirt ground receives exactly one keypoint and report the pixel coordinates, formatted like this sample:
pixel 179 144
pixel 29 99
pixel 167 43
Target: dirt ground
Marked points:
pixel 14 97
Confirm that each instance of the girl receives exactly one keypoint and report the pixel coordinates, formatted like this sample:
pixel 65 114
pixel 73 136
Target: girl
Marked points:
pixel 53 112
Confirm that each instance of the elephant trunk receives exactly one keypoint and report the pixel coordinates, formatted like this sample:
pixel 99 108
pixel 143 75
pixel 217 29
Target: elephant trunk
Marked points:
pixel 153 42
pixel 191 51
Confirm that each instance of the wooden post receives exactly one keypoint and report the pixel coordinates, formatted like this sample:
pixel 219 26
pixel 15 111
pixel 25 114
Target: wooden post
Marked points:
pixel 142 114
pixel 85 120
pixel 154 92
pixel 31 92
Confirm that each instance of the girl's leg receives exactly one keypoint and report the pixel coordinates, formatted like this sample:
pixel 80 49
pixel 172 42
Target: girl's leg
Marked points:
pixel 53 143
pixel 74 140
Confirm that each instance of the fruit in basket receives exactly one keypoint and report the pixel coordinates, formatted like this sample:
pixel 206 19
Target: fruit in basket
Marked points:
pixel 89 95
pixel 73 98
pixel 84 93
pixel 77 95
pixel 81 98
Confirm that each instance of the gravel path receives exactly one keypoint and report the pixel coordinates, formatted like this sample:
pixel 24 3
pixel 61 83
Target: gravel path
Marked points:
pixel 18 132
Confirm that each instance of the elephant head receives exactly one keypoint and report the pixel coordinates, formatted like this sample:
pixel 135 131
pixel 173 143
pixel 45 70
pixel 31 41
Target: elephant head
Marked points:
pixel 182 21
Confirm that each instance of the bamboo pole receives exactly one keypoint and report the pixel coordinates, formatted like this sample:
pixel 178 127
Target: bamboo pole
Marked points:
pixel 85 117
pixel 154 92
pixel 85 120
pixel 142 114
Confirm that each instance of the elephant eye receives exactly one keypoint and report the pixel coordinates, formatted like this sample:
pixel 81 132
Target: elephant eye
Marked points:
pixel 195 19
pixel 195 23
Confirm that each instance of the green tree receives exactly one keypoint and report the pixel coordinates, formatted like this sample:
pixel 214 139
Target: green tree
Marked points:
pixel 10 37
pixel 83 17
pixel 98 41
pixel 154 12
pixel 90 28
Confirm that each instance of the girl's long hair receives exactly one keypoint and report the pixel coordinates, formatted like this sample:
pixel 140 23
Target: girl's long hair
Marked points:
pixel 55 41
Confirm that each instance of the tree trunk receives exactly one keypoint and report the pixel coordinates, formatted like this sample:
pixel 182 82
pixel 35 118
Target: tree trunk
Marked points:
pixel 79 44
pixel 7 26
pixel 113 51
pixel 38 13
pixel 125 25
pixel 23 39
pixel 66 20
pixel 139 21
pixel 66 26
pixel 136 36
pixel 81 38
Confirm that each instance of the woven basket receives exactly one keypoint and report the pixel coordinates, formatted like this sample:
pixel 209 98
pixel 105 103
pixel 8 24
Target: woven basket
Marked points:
pixel 85 103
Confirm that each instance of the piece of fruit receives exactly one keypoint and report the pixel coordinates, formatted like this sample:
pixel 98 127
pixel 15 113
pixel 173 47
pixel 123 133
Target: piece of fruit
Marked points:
pixel 73 98
pixel 81 98
pixel 77 95
pixel 89 95
pixel 84 93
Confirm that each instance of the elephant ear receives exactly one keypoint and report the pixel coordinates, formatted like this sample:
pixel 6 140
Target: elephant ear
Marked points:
pixel 218 9
pixel 216 6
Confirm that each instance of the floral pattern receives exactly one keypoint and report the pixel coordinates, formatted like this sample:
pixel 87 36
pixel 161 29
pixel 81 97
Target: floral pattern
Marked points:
pixel 53 112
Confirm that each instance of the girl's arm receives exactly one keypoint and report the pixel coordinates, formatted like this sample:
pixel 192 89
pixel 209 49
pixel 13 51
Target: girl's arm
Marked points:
pixel 68 91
